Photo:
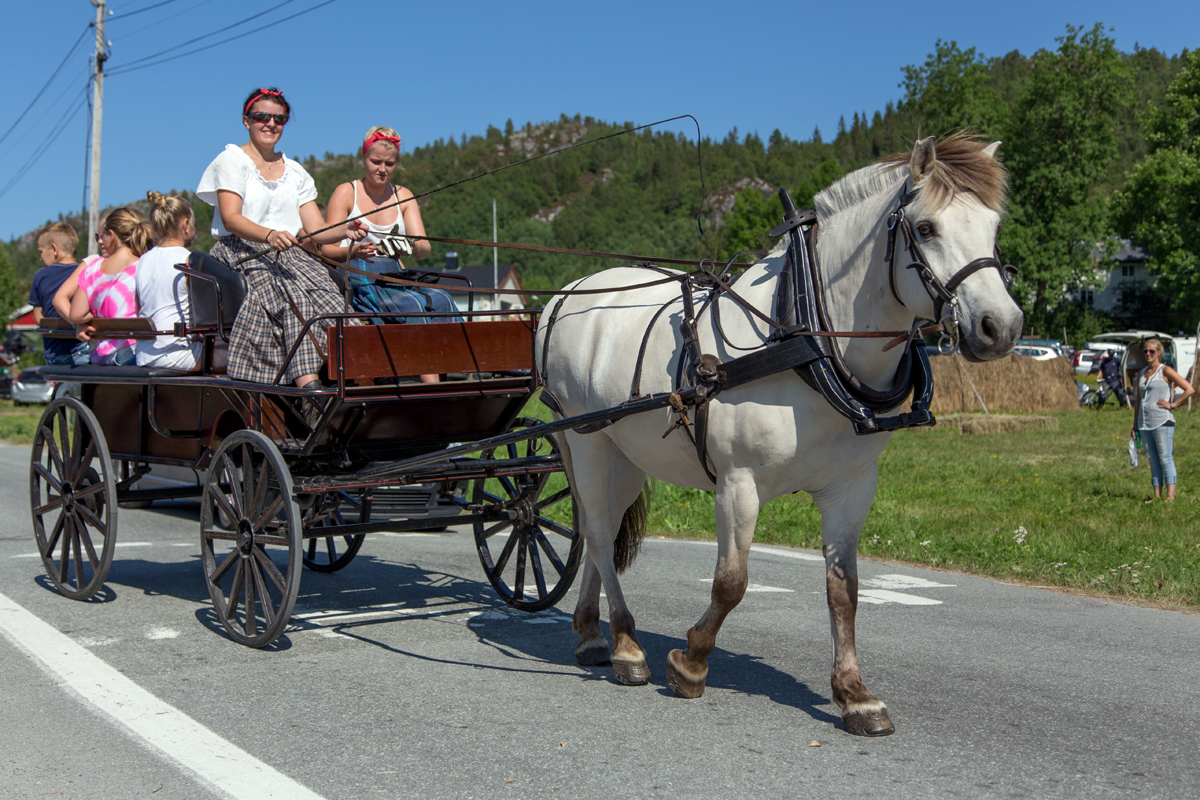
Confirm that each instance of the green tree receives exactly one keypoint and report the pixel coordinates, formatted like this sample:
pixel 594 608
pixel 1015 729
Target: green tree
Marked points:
pixel 12 290
pixel 1065 138
pixel 953 89
pixel 1159 206
pixel 752 218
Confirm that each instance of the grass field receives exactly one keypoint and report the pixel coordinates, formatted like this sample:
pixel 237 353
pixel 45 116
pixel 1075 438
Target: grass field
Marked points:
pixel 1050 507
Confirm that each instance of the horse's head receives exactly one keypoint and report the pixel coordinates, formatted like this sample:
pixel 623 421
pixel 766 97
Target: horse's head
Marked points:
pixel 948 224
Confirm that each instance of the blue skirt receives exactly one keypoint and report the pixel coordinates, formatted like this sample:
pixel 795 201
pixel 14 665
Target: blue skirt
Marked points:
pixel 369 297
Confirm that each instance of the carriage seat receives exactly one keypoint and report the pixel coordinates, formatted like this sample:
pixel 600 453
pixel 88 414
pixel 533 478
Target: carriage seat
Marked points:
pixel 217 296
pixel 81 372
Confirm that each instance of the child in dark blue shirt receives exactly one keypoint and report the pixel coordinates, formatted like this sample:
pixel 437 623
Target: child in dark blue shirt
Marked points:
pixel 56 245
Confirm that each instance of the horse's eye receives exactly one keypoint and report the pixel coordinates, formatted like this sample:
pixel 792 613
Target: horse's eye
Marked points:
pixel 925 229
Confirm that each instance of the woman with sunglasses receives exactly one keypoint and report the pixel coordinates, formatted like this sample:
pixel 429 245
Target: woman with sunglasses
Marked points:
pixel 1154 419
pixel 264 197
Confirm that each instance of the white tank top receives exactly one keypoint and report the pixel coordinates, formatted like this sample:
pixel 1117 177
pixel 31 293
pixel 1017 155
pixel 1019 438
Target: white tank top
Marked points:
pixel 377 233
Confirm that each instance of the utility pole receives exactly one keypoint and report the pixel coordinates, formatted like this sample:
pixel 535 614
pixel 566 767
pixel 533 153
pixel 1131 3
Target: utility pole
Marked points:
pixel 495 253
pixel 97 115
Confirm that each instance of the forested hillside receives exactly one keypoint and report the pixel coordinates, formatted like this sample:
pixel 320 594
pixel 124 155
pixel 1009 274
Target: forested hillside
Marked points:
pixel 1077 122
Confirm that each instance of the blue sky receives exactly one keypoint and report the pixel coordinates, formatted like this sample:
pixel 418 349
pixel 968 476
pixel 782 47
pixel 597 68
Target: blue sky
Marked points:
pixel 433 70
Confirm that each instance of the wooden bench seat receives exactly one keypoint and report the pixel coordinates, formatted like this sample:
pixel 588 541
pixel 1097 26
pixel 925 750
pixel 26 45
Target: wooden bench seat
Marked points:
pixel 123 328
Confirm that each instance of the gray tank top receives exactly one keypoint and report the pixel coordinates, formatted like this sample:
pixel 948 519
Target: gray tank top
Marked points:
pixel 1154 388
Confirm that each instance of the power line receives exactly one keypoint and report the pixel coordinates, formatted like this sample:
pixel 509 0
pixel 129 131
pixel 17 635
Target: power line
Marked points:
pixel 126 35
pixel 76 104
pixel 51 106
pixel 139 11
pixel 223 41
pixel 42 91
pixel 127 66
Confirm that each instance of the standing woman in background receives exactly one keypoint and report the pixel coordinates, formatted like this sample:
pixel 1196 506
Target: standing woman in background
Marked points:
pixel 262 196
pixel 1154 418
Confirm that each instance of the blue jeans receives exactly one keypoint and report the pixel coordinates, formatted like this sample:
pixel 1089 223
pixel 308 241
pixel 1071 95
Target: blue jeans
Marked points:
pixel 78 355
pixel 1158 452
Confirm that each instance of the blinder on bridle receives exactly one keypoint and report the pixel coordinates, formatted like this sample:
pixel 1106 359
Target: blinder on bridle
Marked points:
pixel 941 293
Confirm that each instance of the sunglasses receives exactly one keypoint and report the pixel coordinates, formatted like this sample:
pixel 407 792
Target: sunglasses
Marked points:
pixel 264 117
pixel 1150 351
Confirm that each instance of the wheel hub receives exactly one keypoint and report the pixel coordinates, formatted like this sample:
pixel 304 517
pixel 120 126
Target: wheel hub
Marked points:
pixel 245 537
pixel 68 497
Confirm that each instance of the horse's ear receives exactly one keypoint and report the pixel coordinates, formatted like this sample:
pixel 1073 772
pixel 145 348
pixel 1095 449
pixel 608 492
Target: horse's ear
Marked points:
pixel 991 149
pixel 924 156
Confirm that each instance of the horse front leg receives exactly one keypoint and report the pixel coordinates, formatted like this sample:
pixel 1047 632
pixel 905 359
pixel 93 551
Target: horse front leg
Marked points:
pixel 841 523
pixel 737 506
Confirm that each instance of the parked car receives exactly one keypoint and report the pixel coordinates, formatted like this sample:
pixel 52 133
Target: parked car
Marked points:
pixel 1179 352
pixel 1036 352
pixel 31 387
pixel 1059 348
pixel 1085 362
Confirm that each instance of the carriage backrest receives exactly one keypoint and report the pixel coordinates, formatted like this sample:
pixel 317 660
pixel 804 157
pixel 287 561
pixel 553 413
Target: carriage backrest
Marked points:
pixel 215 302
pixel 385 351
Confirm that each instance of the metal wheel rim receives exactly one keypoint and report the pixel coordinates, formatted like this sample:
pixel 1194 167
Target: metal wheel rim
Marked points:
pixel 331 553
pixel 70 453
pixel 528 558
pixel 252 595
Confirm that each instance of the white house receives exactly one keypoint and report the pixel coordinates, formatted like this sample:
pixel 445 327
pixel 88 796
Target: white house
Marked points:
pixel 485 276
pixel 1129 266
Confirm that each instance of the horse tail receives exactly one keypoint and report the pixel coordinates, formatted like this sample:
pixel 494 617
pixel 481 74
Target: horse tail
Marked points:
pixel 633 530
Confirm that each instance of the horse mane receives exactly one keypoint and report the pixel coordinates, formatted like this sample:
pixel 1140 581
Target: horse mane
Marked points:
pixel 961 166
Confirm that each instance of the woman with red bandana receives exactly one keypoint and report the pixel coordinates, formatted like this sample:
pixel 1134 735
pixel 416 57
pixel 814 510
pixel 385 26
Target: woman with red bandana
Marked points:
pixel 262 196
pixel 389 221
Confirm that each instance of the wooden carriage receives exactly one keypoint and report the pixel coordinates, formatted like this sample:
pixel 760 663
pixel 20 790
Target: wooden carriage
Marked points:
pixel 289 477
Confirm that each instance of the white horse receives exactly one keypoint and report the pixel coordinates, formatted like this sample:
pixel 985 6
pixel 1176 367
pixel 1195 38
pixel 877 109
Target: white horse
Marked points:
pixel 775 435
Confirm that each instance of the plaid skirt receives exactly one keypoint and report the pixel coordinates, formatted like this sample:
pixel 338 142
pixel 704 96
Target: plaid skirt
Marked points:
pixel 283 288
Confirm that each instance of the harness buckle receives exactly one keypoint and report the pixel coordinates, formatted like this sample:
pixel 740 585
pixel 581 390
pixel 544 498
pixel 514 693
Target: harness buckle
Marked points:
pixel 895 218
pixel 948 340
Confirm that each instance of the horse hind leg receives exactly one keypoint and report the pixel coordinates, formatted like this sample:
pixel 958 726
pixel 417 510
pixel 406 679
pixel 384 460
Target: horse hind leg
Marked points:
pixel 737 509
pixel 604 480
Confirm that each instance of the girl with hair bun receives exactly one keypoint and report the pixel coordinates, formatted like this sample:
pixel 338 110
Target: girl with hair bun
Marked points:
pixel 162 290
pixel 386 241
pixel 105 286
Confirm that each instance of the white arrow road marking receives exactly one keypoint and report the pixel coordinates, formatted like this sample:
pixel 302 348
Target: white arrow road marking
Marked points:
pixel 901 582
pixel 880 596
pixel 160 726
pixel 756 587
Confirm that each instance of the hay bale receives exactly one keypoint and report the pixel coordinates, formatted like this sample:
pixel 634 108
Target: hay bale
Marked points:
pixel 1004 423
pixel 1012 383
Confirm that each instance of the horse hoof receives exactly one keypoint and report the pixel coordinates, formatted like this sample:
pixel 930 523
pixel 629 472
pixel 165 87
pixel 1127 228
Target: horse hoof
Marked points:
pixel 631 673
pixel 869 723
pixel 681 683
pixel 593 656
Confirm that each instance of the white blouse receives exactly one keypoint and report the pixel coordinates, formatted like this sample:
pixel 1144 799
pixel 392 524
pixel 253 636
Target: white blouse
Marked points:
pixel 272 204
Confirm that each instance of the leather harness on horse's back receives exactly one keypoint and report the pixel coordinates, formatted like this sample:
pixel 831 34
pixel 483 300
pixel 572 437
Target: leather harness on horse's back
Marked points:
pixel 800 339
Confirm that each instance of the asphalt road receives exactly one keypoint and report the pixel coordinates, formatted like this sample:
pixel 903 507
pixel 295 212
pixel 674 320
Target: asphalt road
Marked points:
pixel 403 675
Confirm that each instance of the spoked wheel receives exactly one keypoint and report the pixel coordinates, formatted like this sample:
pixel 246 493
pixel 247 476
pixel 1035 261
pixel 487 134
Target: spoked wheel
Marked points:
pixel 330 553
pixel 531 556
pixel 73 495
pixel 251 567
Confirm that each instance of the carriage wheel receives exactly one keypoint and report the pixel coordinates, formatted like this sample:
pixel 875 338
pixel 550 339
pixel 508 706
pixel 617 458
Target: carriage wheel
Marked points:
pixel 531 556
pixel 331 553
pixel 252 566
pixel 73 495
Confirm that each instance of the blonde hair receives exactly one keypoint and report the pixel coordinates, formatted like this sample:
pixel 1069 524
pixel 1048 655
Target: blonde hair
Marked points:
pixel 1158 345
pixel 131 229
pixel 386 131
pixel 61 234
pixel 167 214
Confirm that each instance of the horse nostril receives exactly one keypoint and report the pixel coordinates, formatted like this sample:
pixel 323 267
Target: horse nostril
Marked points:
pixel 987 328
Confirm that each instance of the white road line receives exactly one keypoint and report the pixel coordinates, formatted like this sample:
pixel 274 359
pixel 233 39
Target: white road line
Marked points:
pixel 879 596
pixel 758 548
pixel 118 544
pixel 158 725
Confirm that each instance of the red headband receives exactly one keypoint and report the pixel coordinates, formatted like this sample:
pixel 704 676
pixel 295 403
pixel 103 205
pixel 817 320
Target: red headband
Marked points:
pixel 258 95
pixel 380 136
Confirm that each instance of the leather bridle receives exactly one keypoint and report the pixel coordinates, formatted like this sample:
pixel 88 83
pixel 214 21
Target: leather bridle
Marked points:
pixel 942 294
